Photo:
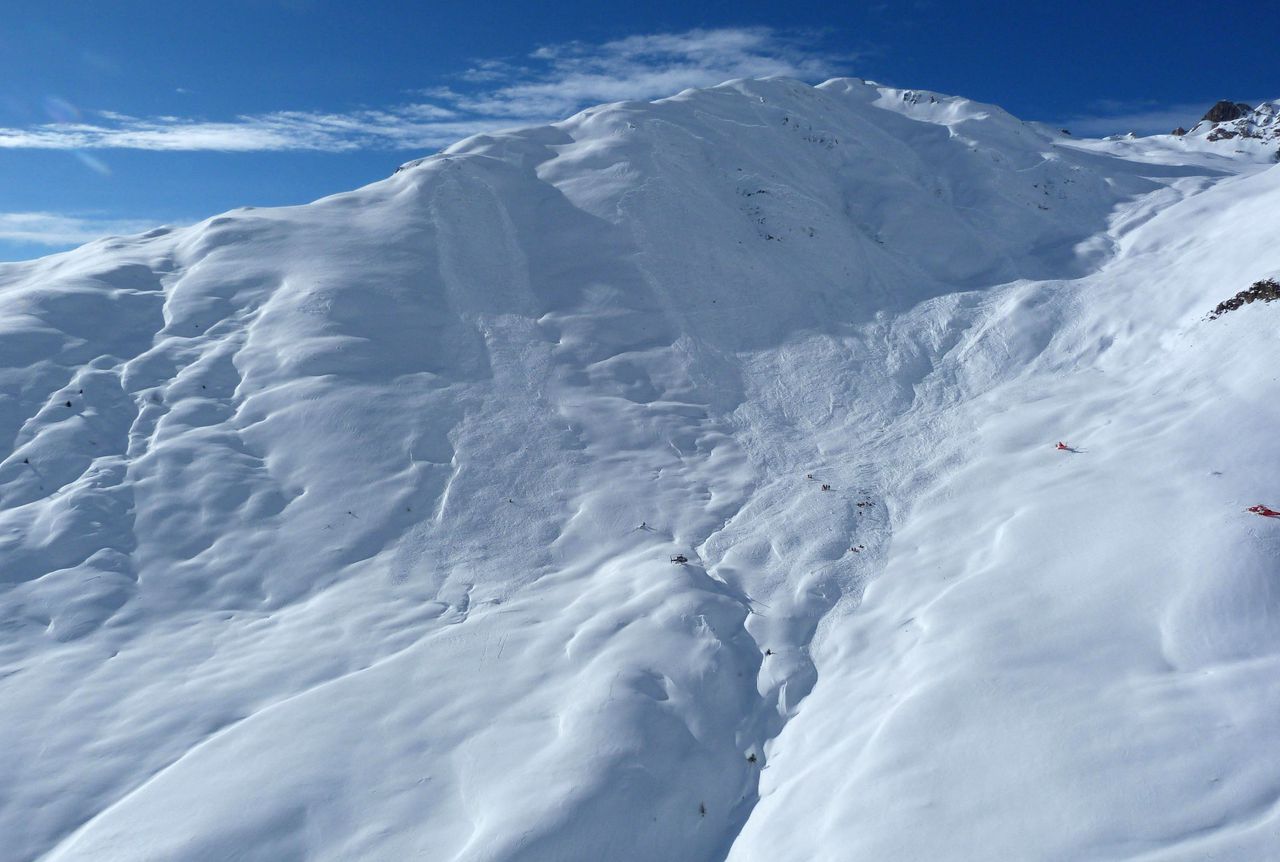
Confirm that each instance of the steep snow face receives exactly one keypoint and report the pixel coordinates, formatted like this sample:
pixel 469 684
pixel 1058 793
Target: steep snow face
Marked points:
pixel 1068 654
pixel 343 531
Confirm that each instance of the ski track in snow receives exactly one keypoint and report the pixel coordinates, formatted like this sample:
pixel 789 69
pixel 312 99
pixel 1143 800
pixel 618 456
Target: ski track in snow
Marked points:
pixel 342 531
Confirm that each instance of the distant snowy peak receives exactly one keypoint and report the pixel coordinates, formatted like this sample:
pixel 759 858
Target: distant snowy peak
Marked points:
pixel 1228 120
pixel 1231 136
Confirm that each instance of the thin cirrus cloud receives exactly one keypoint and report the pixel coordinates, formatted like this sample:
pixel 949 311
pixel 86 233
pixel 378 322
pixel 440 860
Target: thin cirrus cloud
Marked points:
pixel 1143 118
pixel 550 83
pixel 55 229
pixel 559 79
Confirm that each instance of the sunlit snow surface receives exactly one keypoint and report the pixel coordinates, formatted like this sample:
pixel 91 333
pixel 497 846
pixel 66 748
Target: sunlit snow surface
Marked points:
pixel 343 531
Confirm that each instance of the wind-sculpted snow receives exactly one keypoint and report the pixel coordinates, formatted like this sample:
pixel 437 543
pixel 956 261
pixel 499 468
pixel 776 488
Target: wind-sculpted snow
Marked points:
pixel 344 531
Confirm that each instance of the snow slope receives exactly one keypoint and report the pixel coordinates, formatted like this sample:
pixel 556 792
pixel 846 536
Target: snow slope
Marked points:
pixel 342 531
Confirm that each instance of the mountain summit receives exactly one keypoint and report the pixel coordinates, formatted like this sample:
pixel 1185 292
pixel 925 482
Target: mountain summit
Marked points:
pixel 1224 111
pixel 678 481
pixel 1239 122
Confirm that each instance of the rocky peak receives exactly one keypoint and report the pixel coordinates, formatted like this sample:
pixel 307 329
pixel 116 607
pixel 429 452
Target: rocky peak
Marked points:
pixel 1238 122
pixel 1225 111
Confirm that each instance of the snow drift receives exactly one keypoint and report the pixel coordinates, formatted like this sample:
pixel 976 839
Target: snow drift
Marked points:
pixel 343 531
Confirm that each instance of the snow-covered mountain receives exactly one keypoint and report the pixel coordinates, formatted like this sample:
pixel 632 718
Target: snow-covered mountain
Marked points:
pixel 344 531
pixel 1229 133
pixel 1228 121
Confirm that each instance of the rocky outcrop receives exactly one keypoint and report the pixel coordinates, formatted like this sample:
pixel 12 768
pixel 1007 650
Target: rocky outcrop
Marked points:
pixel 1244 127
pixel 1266 290
pixel 1226 111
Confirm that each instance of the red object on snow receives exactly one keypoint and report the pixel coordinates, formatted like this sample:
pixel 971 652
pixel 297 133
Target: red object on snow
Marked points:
pixel 1063 447
pixel 1263 511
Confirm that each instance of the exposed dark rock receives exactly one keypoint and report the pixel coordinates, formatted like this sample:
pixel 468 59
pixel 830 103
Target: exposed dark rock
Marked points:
pixel 1266 290
pixel 1179 132
pixel 1225 111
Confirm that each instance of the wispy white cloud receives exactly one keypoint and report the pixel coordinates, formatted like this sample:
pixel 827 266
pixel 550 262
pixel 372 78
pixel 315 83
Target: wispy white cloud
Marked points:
pixel 559 79
pixel 404 127
pixel 53 229
pixel 549 84
pixel 1111 117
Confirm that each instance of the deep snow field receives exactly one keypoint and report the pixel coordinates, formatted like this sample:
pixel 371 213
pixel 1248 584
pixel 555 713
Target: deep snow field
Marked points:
pixel 343 531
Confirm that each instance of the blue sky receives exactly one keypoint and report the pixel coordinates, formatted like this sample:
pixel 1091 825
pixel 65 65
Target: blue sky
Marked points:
pixel 118 116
